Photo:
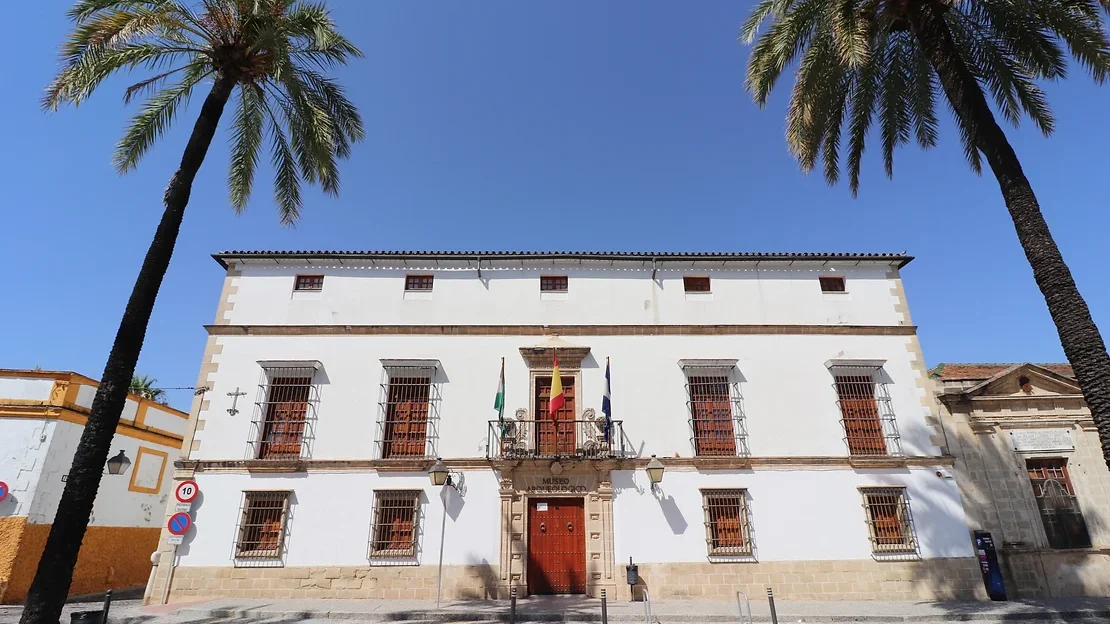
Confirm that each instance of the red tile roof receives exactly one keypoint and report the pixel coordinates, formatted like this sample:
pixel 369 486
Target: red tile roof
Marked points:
pixel 986 371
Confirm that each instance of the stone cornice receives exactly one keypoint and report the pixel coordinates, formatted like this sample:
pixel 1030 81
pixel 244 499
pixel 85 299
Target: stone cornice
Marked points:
pixel 562 330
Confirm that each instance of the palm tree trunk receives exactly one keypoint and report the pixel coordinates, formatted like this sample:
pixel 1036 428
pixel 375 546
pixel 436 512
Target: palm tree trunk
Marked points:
pixel 55 571
pixel 1079 336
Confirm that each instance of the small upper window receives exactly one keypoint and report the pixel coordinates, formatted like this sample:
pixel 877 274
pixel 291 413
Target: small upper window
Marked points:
pixel 418 282
pixel 695 284
pixel 832 284
pixel 309 282
pixel 553 283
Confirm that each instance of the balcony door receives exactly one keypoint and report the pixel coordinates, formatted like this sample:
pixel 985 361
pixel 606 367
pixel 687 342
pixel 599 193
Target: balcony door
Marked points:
pixel 555 435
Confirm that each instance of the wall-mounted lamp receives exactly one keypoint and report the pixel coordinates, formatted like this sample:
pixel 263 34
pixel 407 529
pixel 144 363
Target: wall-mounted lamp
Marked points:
pixel 118 464
pixel 440 475
pixel 654 471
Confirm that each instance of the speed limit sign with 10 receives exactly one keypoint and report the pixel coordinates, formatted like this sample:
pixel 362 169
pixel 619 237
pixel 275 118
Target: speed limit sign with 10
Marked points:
pixel 186 491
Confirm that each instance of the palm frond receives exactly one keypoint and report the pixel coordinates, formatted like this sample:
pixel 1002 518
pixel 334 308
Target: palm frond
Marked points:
pixel 154 119
pixel 246 143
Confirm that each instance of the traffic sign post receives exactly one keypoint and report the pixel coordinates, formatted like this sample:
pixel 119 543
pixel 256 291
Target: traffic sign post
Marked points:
pixel 179 523
pixel 186 491
pixel 3 491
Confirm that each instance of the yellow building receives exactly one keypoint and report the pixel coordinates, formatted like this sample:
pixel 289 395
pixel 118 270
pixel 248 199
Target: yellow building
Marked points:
pixel 42 416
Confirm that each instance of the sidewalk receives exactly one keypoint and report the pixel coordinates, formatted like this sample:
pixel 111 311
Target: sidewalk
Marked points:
pixel 585 610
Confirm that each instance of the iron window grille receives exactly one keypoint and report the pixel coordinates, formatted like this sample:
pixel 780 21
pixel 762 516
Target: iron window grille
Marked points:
pixel 554 283
pixel 1059 508
pixel 409 412
pixel 866 411
pixel 716 413
pixel 889 522
pixel 309 282
pixel 832 284
pixel 695 284
pixel 284 420
pixel 418 282
pixel 262 524
pixel 727 524
pixel 396 524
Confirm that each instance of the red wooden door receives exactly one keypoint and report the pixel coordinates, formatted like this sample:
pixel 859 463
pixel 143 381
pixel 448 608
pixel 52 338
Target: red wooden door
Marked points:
pixel 712 409
pixel 556 546
pixel 555 436
pixel 861 415
pixel 406 417
pixel 286 411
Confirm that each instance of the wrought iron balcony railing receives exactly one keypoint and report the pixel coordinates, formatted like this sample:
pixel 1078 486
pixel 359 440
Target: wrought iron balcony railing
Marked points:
pixel 555 439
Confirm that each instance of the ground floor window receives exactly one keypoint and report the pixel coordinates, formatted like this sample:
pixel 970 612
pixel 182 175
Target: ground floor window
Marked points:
pixel 889 523
pixel 396 522
pixel 262 525
pixel 1060 514
pixel 727 530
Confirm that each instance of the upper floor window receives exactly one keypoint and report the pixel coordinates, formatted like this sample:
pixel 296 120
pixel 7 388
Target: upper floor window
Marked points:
pixel 286 411
pixel 553 283
pixel 832 284
pixel 727 529
pixel 865 410
pixel 693 284
pixel 418 282
pixel 309 282
pixel 395 524
pixel 889 523
pixel 713 399
pixel 1060 514
pixel 262 522
pixel 556 434
pixel 409 410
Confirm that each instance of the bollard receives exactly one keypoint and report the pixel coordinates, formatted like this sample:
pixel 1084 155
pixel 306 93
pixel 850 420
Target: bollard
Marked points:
pixel 604 611
pixel 512 607
pixel 771 601
pixel 107 605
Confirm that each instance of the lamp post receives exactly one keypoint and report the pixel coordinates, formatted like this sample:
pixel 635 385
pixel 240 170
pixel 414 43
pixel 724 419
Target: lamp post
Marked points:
pixel 440 476
pixel 118 464
pixel 654 471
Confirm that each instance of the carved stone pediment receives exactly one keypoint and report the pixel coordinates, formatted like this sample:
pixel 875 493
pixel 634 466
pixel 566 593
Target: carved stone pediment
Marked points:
pixel 540 356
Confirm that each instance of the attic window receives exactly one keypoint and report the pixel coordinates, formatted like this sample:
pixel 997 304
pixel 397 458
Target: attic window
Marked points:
pixel 692 284
pixel 1025 384
pixel 832 284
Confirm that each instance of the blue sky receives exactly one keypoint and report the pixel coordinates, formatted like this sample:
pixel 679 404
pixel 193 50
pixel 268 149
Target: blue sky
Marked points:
pixel 527 125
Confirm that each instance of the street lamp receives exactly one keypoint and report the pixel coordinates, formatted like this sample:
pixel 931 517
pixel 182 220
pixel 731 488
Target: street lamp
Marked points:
pixel 439 474
pixel 118 464
pixel 654 471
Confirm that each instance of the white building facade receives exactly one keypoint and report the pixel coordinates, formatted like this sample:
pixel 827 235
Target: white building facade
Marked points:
pixel 785 394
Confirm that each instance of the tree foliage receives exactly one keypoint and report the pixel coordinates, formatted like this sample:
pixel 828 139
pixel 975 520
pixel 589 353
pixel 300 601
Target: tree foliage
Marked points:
pixel 276 51
pixel 860 68
pixel 146 387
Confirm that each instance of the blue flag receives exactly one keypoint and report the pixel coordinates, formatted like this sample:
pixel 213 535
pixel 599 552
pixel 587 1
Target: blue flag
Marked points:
pixel 606 404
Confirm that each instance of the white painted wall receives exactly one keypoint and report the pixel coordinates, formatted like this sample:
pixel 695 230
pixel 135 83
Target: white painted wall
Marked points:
pixel 164 420
pixel 115 505
pixel 331 516
pixel 25 388
pixel 359 296
pixel 24 443
pixel 788 396
pixel 795 514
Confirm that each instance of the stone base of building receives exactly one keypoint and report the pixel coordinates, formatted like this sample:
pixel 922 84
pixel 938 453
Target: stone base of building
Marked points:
pixel 110 557
pixel 1038 574
pixel 930 579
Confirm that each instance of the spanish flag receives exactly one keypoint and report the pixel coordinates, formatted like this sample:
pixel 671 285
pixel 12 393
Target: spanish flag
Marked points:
pixel 557 398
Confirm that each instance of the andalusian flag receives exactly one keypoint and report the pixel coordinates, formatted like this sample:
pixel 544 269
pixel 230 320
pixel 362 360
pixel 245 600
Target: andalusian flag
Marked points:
pixel 499 399
pixel 558 400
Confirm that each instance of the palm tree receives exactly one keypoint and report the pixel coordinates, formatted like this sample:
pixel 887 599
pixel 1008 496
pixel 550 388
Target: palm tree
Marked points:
pixel 272 55
pixel 861 59
pixel 145 387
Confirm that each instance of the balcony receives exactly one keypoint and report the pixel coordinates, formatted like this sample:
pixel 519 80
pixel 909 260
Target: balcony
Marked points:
pixel 555 439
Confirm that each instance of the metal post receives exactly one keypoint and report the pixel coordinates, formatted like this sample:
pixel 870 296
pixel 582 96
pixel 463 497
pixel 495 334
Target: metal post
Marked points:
pixel 107 605
pixel 604 610
pixel 647 606
pixel 771 600
pixel 169 575
pixel 442 535
pixel 512 606
pixel 740 606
